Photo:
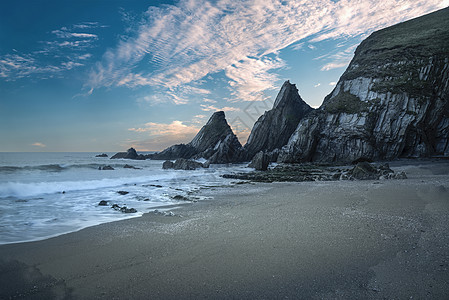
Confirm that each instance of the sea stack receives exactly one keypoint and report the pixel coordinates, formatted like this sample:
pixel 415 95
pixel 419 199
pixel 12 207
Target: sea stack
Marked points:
pixel 215 142
pixel 274 128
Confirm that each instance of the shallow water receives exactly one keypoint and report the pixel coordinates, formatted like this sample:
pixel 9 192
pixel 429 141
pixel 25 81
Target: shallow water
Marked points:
pixel 48 194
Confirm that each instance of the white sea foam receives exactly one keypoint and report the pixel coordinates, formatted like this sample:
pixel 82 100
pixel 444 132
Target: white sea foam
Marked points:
pixel 33 189
pixel 48 194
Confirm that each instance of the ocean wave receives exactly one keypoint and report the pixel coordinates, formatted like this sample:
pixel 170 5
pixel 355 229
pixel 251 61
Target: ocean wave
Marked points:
pixel 33 189
pixel 20 189
pixel 48 168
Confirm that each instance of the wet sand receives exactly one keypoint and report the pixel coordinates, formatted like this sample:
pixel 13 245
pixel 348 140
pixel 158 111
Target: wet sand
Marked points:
pixel 308 240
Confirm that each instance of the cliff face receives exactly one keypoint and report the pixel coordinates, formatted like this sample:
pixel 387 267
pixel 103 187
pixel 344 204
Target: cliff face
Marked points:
pixel 392 101
pixel 274 128
pixel 215 142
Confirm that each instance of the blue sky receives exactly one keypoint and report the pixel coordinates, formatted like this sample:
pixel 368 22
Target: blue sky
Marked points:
pixel 104 75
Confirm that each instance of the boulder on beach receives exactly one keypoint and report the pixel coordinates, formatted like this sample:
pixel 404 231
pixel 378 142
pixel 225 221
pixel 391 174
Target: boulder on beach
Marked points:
pixel 105 168
pixel 180 198
pixel 182 164
pixel 130 167
pixel 127 210
pixel 124 209
pixel 168 164
pixel 367 171
pixel 186 164
pixel 260 161
pixel 364 171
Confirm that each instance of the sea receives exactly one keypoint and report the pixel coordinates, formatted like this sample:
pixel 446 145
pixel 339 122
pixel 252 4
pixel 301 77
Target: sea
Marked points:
pixel 43 195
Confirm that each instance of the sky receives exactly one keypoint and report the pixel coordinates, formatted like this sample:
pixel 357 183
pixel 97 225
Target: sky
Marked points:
pixel 105 75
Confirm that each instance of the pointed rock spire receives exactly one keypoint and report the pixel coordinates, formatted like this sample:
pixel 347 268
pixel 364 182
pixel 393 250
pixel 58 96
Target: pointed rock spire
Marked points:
pixel 273 129
pixel 215 142
pixel 216 129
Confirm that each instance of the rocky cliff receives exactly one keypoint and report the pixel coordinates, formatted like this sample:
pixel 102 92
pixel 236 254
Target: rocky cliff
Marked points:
pixel 392 101
pixel 274 128
pixel 215 142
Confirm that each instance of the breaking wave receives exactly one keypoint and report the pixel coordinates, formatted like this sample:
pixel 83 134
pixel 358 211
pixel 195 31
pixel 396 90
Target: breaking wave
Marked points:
pixel 48 168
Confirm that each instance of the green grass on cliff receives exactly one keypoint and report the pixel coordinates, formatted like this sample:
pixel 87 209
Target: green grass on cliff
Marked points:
pixel 414 40
pixel 346 102
pixel 395 55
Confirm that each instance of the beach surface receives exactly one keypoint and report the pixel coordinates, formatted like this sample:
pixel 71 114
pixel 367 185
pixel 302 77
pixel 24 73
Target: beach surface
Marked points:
pixel 375 239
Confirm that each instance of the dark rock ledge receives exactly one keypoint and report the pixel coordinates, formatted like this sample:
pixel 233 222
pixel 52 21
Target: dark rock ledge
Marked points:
pixel 320 172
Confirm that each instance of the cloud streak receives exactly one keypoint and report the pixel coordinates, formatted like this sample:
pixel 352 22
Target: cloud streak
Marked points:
pixel 206 107
pixel 164 135
pixel 66 50
pixel 38 144
pixel 186 42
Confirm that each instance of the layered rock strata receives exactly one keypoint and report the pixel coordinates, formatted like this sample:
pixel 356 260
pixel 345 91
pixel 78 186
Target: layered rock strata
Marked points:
pixel 392 101
pixel 274 128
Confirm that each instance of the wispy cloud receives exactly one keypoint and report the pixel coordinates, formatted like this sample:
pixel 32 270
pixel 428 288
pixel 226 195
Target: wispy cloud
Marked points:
pixel 163 135
pixel 88 25
pixel 205 107
pixel 65 33
pixel 16 66
pixel 250 77
pixel 339 58
pixel 38 144
pixel 186 42
pixel 63 51
pixel 334 65
pixel 298 46
pixel 174 128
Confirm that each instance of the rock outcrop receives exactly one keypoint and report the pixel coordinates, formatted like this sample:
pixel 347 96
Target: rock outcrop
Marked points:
pixel 168 164
pixel 215 142
pixel 260 161
pixel 392 101
pixel 274 128
pixel 174 152
pixel 105 168
pixel 320 172
pixel 129 154
pixel 183 164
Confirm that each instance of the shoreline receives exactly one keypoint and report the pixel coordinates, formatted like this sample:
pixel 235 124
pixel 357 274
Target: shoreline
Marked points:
pixel 309 240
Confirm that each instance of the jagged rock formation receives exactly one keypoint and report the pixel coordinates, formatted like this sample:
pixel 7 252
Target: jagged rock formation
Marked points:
pixel 274 128
pixel 183 164
pixel 129 154
pixel 392 101
pixel 215 142
pixel 174 152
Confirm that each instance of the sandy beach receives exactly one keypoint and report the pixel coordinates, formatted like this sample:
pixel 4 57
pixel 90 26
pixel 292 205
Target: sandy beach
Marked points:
pixel 311 240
